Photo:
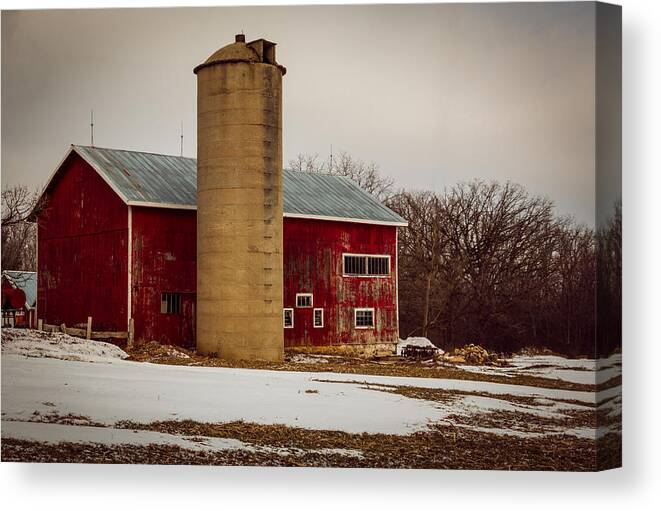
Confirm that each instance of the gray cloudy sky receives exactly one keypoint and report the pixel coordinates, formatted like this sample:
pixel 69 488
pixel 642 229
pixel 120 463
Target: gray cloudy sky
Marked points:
pixel 434 94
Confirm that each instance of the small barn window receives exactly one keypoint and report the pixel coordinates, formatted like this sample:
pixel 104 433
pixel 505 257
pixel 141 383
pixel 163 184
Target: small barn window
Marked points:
pixel 364 318
pixel 354 265
pixel 378 265
pixel 318 318
pixel 288 318
pixel 170 303
pixel 304 300
pixel 366 265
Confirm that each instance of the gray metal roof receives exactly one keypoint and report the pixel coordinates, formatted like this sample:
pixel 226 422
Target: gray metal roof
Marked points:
pixel 171 181
pixel 145 177
pixel 25 280
pixel 316 194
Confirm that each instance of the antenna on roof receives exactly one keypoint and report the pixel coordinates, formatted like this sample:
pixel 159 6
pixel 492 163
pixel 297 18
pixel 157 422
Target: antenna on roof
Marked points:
pixel 330 170
pixel 92 127
pixel 181 139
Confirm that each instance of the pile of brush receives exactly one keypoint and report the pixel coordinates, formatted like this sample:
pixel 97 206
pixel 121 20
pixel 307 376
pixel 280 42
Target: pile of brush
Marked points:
pixel 472 354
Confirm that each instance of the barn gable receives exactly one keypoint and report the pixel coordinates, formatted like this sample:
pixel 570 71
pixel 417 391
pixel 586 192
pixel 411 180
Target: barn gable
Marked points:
pixel 164 181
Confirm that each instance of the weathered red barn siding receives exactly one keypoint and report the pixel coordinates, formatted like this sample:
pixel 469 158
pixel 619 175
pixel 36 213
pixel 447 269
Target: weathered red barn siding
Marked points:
pixel 163 261
pixel 313 264
pixel 82 251
pixel 83 259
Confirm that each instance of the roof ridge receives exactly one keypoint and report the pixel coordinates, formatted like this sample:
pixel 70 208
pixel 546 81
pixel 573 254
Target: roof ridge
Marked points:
pixel 133 151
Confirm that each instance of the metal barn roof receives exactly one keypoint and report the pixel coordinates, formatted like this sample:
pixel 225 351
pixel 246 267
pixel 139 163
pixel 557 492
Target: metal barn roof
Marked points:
pixel 145 177
pixel 158 180
pixel 26 281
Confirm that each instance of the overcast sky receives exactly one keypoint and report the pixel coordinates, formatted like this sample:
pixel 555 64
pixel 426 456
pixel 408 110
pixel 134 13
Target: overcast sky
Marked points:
pixel 434 94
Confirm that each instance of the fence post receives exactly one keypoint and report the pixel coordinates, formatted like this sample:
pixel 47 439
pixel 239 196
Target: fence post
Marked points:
pixel 40 324
pixel 129 337
pixel 89 328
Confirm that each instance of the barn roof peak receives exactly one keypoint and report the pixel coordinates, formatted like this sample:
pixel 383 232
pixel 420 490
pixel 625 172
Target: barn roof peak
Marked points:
pixel 166 181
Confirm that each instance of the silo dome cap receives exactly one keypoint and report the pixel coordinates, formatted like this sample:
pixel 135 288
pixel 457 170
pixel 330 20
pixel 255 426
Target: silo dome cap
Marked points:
pixel 258 51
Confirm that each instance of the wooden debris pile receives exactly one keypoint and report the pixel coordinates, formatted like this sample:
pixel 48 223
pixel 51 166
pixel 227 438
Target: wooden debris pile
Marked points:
pixel 472 354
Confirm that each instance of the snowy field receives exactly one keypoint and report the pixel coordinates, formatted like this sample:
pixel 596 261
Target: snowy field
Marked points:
pixel 582 370
pixel 57 388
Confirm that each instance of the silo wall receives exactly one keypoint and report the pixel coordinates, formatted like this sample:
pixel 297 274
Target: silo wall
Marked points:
pixel 239 215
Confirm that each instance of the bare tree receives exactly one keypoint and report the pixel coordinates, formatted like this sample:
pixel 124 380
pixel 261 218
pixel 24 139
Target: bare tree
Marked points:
pixel 306 162
pixel 422 245
pixel 573 287
pixel 18 231
pixel 490 263
pixel 367 175
pixel 609 283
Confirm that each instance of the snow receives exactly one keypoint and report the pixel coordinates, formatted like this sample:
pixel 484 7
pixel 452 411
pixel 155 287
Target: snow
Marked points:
pixel 33 343
pixel 56 433
pixel 141 392
pixel 422 342
pixel 144 392
pixel 463 385
pixel 122 390
pixel 582 371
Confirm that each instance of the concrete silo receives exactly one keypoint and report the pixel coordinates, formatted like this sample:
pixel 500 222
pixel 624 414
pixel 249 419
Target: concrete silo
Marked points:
pixel 239 202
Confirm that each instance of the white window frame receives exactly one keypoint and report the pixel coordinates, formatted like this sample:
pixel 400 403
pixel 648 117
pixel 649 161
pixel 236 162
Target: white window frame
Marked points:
pixel 284 312
pixel 366 274
pixel 355 318
pixel 314 311
pixel 305 306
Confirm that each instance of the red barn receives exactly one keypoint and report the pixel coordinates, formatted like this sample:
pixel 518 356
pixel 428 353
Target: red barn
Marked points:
pixel 19 297
pixel 118 241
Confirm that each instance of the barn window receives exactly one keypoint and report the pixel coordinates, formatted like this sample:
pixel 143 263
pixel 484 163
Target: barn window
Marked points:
pixel 354 265
pixel 303 299
pixel 318 318
pixel 288 318
pixel 378 265
pixel 366 265
pixel 170 303
pixel 364 318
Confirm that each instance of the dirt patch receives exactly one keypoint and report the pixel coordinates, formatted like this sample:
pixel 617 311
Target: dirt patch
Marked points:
pixel 441 447
pixel 529 422
pixel 69 419
pixel 609 384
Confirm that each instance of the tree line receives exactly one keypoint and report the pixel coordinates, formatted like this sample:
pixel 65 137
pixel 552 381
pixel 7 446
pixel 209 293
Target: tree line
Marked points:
pixel 492 264
pixel 480 262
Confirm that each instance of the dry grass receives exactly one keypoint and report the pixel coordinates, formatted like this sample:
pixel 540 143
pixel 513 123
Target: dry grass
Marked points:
pixel 383 366
pixel 442 446
pixel 450 395
pixel 528 422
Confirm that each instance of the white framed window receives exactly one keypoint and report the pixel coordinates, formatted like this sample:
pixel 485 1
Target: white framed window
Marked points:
pixel 303 299
pixel 288 318
pixel 170 303
pixel 365 265
pixel 318 318
pixel 363 318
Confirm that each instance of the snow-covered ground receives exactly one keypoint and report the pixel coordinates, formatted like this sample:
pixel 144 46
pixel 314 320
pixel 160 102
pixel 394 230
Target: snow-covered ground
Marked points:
pixel 37 388
pixel 33 343
pixel 584 371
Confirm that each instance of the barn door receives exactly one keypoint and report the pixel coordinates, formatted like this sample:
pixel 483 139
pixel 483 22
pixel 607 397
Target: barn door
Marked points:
pixel 188 322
